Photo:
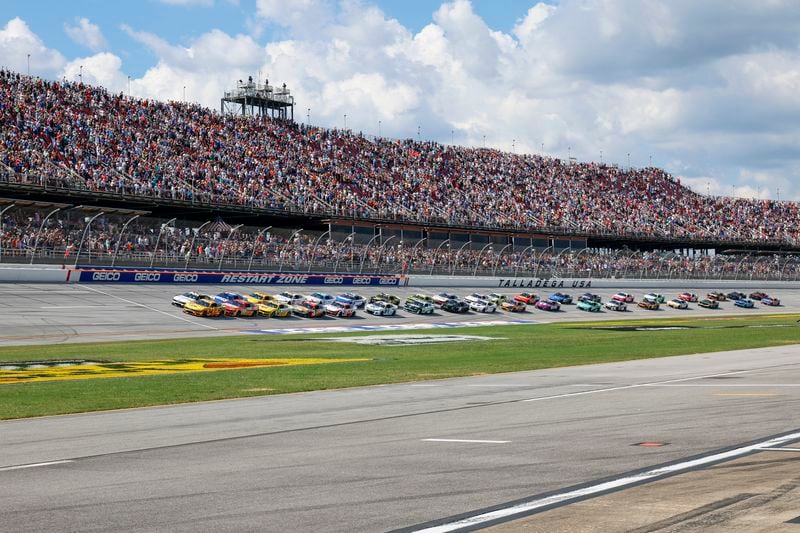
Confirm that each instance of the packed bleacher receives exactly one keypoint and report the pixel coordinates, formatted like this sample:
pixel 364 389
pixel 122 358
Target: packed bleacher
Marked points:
pixel 26 237
pixel 76 136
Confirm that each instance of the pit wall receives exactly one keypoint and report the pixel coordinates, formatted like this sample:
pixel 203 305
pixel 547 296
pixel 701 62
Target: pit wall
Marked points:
pixel 61 274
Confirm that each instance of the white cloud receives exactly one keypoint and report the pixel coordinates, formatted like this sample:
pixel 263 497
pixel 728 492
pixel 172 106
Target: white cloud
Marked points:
pixel 17 41
pixel 85 33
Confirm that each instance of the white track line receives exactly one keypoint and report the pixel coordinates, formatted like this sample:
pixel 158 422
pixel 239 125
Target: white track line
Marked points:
pixel 779 449
pixel 120 298
pixel 633 386
pixel 649 475
pixel 471 441
pixel 731 385
pixel 35 465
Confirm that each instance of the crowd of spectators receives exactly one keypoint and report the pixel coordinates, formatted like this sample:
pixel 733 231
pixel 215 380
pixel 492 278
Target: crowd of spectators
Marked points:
pixel 25 235
pixel 67 134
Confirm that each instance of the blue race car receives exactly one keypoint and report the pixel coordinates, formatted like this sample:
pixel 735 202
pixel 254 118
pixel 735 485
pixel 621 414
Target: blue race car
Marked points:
pixel 747 304
pixel 561 298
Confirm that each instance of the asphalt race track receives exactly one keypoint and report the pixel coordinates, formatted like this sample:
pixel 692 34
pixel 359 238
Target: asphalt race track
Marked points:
pixel 57 313
pixel 382 458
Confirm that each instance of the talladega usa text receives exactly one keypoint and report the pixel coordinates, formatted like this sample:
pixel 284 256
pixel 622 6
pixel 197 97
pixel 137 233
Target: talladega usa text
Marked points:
pixel 545 283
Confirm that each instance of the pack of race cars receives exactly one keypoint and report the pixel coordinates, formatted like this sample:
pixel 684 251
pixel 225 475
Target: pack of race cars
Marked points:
pixel 346 305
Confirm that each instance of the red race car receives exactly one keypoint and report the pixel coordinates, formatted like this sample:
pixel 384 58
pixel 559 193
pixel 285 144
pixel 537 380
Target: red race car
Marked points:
pixel 527 298
pixel 548 305
pixel 688 297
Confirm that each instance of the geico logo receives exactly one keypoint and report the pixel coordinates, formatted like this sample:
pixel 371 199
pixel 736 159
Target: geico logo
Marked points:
pixel 146 276
pixel 387 281
pixel 362 281
pixel 333 281
pixel 105 276
pixel 184 277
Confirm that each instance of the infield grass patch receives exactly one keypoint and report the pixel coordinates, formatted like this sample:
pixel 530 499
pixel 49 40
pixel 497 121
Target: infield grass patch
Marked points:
pixel 515 348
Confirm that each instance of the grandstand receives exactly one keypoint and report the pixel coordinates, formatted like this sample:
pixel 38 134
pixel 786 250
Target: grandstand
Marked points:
pixel 139 181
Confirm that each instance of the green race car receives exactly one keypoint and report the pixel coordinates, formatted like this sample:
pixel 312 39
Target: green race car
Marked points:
pixel 588 305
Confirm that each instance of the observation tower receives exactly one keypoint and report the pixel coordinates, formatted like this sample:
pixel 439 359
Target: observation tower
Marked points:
pixel 258 99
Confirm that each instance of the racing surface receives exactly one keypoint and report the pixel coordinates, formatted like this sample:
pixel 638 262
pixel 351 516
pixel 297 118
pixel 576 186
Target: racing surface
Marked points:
pixel 58 313
pixel 380 458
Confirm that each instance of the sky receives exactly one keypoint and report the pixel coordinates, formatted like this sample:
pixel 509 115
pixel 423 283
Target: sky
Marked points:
pixel 709 91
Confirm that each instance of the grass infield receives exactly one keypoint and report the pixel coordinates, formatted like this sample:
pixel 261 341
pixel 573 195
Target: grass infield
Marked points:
pixel 516 348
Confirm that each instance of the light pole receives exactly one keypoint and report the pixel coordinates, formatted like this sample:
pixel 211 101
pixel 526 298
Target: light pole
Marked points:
pixel 542 152
pixel 601 157
pixel 285 246
pixel 191 245
pixel 381 248
pixel 345 121
pixel 436 254
pixel 316 245
pixel 452 136
pixel 119 240
pixel 29 64
pixel 129 86
pixel 308 116
pixel 478 259
pixel 80 73
pixel 458 253
pixel 158 240
pixel 513 146
pixel 379 129
pixel 38 233
pixel 184 94
pixel 364 253
pixel 497 261
pixel 83 237
pixel 255 241
pixel 225 244
pixel 2 212
pixel 347 239
pixel 629 160
pixel 418 133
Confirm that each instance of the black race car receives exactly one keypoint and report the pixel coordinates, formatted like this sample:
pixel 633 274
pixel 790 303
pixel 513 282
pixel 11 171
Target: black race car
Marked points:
pixel 455 306
pixel 735 295
pixel 384 297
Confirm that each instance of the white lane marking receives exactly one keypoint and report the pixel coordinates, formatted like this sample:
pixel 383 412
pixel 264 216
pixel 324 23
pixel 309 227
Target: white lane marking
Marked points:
pixel 120 298
pixel 71 306
pixel 35 465
pixel 762 385
pixel 472 441
pixel 632 386
pixel 780 449
pixel 477 520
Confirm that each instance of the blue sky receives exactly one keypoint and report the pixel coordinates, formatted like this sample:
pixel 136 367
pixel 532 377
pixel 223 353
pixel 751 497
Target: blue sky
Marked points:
pixel 707 90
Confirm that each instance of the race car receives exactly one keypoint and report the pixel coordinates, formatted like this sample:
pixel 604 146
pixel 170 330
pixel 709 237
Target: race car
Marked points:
pixel 774 302
pixel 290 298
pixel 745 303
pixel 615 305
pixel 758 295
pixel 654 297
pixel 443 297
pixel 623 297
pixel 589 305
pixel 708 304
pixel 340 309
pixel 677 303
pixel 513 306
pixel 688 297
pixel 182 299
pixel 497 298
pixel 718 296
pixel 455 306
pixel 384 297
pixel 649 304
pixel 547 305
pixel 322 298
pixel 560 297
pixel 589 297
pixel 380 308
pixel 421 298
pixel 736 295
pixel 309 309
pixel 477 297
pixel 483 306
pixel 274 309
pixel 418 307
pixel 205 307
pixel 234 304
pixel 527 298
pixel 350 297
pixel 259 298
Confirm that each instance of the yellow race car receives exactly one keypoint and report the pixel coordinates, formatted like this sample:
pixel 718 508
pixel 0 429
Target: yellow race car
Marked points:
pixel 259 298
pixel 273 309
pixel 515 306
pixel 203 307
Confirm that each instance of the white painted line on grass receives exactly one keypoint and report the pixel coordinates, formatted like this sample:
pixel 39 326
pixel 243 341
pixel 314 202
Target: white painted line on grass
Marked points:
pixel 148 307
pixel 390 327
pixel 35 465
pixel 564 497
pixel 470 441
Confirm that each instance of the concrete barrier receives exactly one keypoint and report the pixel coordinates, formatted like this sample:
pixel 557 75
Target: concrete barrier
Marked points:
pixel 34 274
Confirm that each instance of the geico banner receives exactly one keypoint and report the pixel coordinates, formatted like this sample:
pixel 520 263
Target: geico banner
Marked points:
pixel 238 278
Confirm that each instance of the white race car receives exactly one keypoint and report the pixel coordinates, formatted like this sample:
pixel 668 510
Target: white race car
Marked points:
pixel 678 304
pixel 188 297
pixel 615 305
pixel 322 298
pixel 353 298
pixel 483 306
pixel 290 298
pixel 381 309
pixel 477 297
pixel 442 297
